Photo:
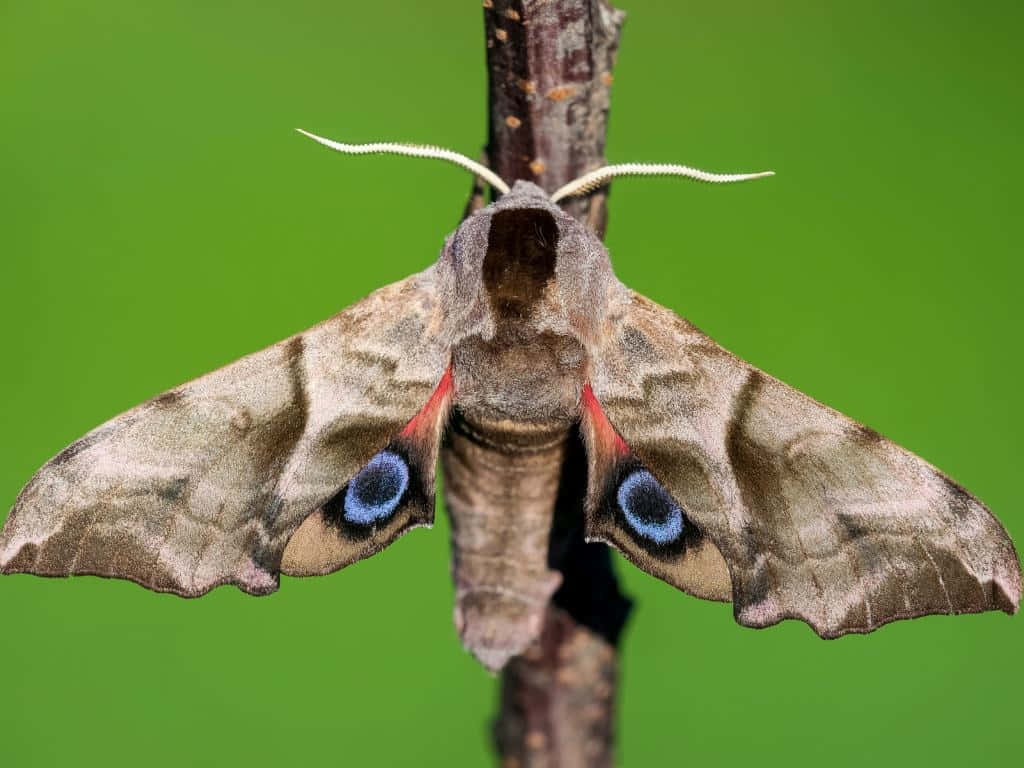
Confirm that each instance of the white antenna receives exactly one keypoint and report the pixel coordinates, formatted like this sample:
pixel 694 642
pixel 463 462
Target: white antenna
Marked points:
pixel 415 150
pixel 601 176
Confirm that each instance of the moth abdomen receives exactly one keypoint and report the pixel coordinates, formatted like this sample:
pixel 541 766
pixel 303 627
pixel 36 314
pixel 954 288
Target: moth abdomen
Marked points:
pixel 501 481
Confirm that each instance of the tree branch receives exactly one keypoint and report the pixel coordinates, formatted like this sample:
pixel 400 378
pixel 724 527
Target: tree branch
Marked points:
pixel 550 74
pixel 549 66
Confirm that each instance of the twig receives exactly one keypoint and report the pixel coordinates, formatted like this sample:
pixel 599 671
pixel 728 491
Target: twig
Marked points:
pixel 550 66
pixel 550 75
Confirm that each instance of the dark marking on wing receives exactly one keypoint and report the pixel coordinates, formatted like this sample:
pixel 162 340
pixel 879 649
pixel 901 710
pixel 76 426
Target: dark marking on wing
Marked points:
pixel 99 434
pixel 652 386
pixel 759 476
pixel 851 527
pixel 960 500
pixel 173 490
pixel 171 397
pixel 24 560
pixel 294 351
pixel 865 434
pixel 269 509
pixel 95 437
pixel 276 441
pixel 74 449
pixel 758 584
pixel 960 583
pixel 362 437
pixel 639 346
pixel 267 557
pixel 758 483
pixel 522 248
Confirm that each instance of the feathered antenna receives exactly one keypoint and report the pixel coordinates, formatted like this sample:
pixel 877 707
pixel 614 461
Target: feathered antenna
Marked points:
pixel 601 176
pixel 415 150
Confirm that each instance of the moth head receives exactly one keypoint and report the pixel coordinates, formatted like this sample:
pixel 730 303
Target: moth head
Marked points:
pixel 524 261
pixel 523 257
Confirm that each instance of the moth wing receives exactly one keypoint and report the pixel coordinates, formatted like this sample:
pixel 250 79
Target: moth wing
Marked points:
pixel 790 509
pixel 206 484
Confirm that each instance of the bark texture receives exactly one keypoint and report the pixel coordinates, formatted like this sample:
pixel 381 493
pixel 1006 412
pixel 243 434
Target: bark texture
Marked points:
pixel 550 75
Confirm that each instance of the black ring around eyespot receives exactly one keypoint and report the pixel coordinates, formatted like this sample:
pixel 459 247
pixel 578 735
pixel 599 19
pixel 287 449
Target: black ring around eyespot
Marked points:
pixel 648 508
pixel 376 490
pixel 388 482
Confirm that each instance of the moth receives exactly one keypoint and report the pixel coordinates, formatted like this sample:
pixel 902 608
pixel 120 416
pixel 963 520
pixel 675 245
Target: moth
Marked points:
pixel 702 470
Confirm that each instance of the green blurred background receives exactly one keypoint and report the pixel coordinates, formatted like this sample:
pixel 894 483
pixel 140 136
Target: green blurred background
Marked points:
pixel 160 218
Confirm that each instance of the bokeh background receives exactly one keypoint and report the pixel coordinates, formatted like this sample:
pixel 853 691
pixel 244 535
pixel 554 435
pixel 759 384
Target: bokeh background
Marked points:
pixel 159 218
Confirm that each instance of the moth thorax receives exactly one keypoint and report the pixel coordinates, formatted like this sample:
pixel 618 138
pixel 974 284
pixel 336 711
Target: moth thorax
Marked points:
pixel 520 375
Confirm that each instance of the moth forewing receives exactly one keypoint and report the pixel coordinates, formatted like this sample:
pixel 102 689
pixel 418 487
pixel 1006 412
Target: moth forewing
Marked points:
pixel 205 484
pixel 819 518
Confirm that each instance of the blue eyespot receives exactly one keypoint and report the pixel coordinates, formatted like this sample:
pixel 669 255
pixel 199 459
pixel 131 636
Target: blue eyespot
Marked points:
pixel 649 509
pixel 374 493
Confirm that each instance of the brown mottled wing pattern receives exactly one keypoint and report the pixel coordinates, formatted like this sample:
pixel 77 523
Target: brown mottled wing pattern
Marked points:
pixel 818 518
pixel 205 484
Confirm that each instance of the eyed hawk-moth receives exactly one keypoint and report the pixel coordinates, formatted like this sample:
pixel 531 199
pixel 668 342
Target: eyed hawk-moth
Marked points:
pixel 702 470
